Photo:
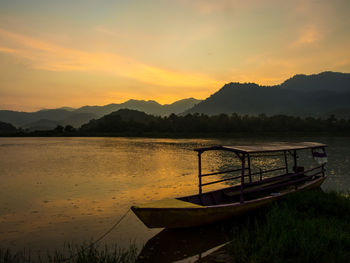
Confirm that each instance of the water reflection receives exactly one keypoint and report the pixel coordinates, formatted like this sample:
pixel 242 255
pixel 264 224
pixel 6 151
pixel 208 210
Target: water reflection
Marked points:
pixel 172 245
pixel 71 189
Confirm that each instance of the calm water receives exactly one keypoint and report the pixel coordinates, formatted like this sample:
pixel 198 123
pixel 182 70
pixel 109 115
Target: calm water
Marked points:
pixel 73 189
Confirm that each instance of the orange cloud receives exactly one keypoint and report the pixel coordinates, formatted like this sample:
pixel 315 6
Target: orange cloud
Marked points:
pixel 7 50
pixel 308 35
pixel 49 56
pixel 207 7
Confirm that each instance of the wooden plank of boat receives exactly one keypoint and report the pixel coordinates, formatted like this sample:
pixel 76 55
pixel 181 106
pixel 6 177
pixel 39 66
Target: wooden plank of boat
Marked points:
pixel 169 203
pixel 209 207
pixel 175 213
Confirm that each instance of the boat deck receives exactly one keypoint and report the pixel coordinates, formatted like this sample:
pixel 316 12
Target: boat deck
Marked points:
pixel 269 186
pixel 255 190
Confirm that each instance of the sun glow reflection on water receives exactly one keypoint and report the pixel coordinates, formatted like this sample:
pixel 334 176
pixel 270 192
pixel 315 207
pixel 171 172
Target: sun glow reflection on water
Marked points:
pixel 56 190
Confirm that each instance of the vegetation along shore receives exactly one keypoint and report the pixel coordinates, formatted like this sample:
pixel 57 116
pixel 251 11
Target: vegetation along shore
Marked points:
pixel 135 123
pixel 309 226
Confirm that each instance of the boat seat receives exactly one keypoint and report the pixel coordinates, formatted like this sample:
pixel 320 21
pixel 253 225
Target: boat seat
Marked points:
pixel 207 199
pixel 298 169
pixel 194 200
pixel 231 193
pixel 218 197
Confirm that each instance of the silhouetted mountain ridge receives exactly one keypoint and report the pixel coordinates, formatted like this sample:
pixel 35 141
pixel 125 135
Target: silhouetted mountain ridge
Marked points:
pixel 46 118
pixel 7 128
pixel 150 107
pixel 325 81
pixel 115 121
pixel 303 95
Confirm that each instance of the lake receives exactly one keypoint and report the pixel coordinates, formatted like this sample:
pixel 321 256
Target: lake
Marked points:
pixel 56 190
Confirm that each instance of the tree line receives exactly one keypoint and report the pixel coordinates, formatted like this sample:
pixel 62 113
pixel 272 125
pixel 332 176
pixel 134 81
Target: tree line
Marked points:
pixel 222 123
pixel 131 122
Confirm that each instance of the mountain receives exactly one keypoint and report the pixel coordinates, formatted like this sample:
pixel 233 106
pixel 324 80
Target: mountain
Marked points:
pixel 150 107
pixel 61 108
pixel 116 122
pixel 78 119
pixel 41 125
pixel 145 106
pixel 303 95
pixel 7 128
pixel 66 108
pixel 178 106
pixel 47 118
pixel 75 120
pixel 315 95
pixel 326 81
pixel 22 118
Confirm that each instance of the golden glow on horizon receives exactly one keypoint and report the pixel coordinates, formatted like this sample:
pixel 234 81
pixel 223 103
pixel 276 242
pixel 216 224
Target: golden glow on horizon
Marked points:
pixel 115 51
pixel 47 56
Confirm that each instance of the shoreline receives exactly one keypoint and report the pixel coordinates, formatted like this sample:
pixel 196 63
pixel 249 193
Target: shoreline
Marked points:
pixel 47 134
pixel 305 227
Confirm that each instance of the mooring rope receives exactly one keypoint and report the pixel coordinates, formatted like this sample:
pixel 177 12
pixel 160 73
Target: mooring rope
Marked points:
pixel 100 238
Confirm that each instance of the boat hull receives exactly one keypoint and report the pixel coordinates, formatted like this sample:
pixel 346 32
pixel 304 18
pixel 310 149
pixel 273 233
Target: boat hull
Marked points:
pixel 180 217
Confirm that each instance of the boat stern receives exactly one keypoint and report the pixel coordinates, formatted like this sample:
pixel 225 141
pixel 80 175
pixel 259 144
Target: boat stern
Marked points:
pixel 165 213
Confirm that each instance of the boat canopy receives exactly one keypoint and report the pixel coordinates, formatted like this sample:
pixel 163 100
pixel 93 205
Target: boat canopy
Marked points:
pixel 265 147
pixel 246 152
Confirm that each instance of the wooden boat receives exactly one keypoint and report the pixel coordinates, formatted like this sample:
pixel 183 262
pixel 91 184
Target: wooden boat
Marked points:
pixel 254 190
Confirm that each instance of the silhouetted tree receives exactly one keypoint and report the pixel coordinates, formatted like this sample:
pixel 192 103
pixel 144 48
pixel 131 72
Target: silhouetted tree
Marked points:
pixel 69 128
pixel 59 129
pixel 129 121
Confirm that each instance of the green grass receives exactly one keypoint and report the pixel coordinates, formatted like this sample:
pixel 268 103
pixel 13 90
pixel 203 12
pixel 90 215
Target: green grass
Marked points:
pixel 310 226
pixel 85 253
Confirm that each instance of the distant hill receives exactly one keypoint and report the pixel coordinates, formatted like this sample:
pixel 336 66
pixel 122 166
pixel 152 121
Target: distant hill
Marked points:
pixel 45 119
pixel 178 106
pixel 318 95
pixel 7 128
pixel 20 119
pixel 41 125
pixel 62 108
pixel 146 106
pixel 150 107
pixel 303 95
pixel 78 119
pixel 127 122
pixel 116 121
pixel 75 120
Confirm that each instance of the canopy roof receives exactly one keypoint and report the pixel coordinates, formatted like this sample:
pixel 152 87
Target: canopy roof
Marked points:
pixel 265 147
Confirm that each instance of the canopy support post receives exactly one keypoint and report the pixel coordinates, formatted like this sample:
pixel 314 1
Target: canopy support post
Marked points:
pixel 242 178
pixel 323 170
pixel 286 160
pixel 200 172
pixel 323 165
pixel 249 170
pixel 295 160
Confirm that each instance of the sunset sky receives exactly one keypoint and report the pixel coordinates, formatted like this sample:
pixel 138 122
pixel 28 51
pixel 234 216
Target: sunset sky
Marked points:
pixel 95 52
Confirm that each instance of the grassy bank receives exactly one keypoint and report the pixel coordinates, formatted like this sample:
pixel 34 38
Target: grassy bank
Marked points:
pixel 309 226
pixel 84 253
